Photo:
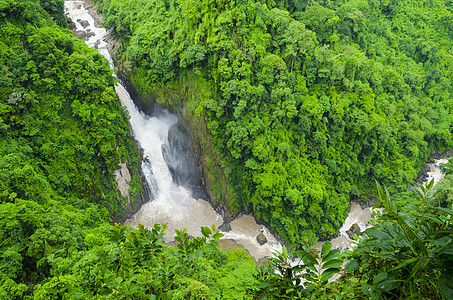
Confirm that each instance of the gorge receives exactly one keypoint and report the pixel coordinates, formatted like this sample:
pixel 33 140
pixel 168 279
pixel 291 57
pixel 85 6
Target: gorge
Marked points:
pixel 171 202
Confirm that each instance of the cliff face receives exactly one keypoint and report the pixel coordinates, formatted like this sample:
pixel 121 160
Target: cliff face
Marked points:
pixel 215 174
pixel 183 97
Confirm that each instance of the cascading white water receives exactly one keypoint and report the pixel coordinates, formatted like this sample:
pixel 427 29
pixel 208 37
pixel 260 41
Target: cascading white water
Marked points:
pixel 172 204
pixel 434 170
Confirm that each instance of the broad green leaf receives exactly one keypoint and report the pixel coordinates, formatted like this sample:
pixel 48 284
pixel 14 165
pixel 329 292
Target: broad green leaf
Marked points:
pixel 300 253
pixel 353 280
pixel 334 263
pixel 389 284
pixel 47 249
pixel 446 286
pixel 421 263
pixel 448 250
pixel 430 184
pixel 263 285
pixel 206 231
pixel 218 235
pixel 404 263
pixel 440 241
pixel 308 258
pixel 445 210
pixel 422 189
pixel 378 234
pixel 40 262
pixel 380 277
pixel 326 248
pixel 366 289
pixel 352 265
pixel 433 219
pixel 332 254
pixel 327 274
pixel 377 205
pixel 312 268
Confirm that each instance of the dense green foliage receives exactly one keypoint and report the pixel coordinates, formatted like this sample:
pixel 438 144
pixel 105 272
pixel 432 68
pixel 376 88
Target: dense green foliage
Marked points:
pixel 281 278
pixel 63 132
pixel 62 135
pixel 134 264
pixel 411 254
pixel 402 256
pixel 308 102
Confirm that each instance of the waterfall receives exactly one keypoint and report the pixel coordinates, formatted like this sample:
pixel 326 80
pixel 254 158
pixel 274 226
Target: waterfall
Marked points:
pixel 171 203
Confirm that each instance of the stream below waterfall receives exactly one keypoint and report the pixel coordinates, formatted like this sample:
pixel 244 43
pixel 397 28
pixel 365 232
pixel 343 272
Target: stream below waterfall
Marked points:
pixel 361 216
pixel 171 203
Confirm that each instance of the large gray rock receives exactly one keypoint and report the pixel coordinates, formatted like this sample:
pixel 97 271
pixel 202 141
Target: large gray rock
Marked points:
pixel 84 23
pixel 182 163
pixel 225 227
pixel 83 35
pixel 261 239
pixel 355 229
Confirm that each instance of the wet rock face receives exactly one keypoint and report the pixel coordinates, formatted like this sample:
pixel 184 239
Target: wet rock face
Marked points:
pixel 183 165
pixel 225 227
pixel 83 35
pixel 261 239
pixel 355 229
pixel 84 23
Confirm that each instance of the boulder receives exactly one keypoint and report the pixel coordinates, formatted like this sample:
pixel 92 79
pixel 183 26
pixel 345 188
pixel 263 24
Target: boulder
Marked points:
pixel 83 35
pixel 84 23
pixel 225 227
pixel 181 161
pixel 355 229
pixel 261 239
